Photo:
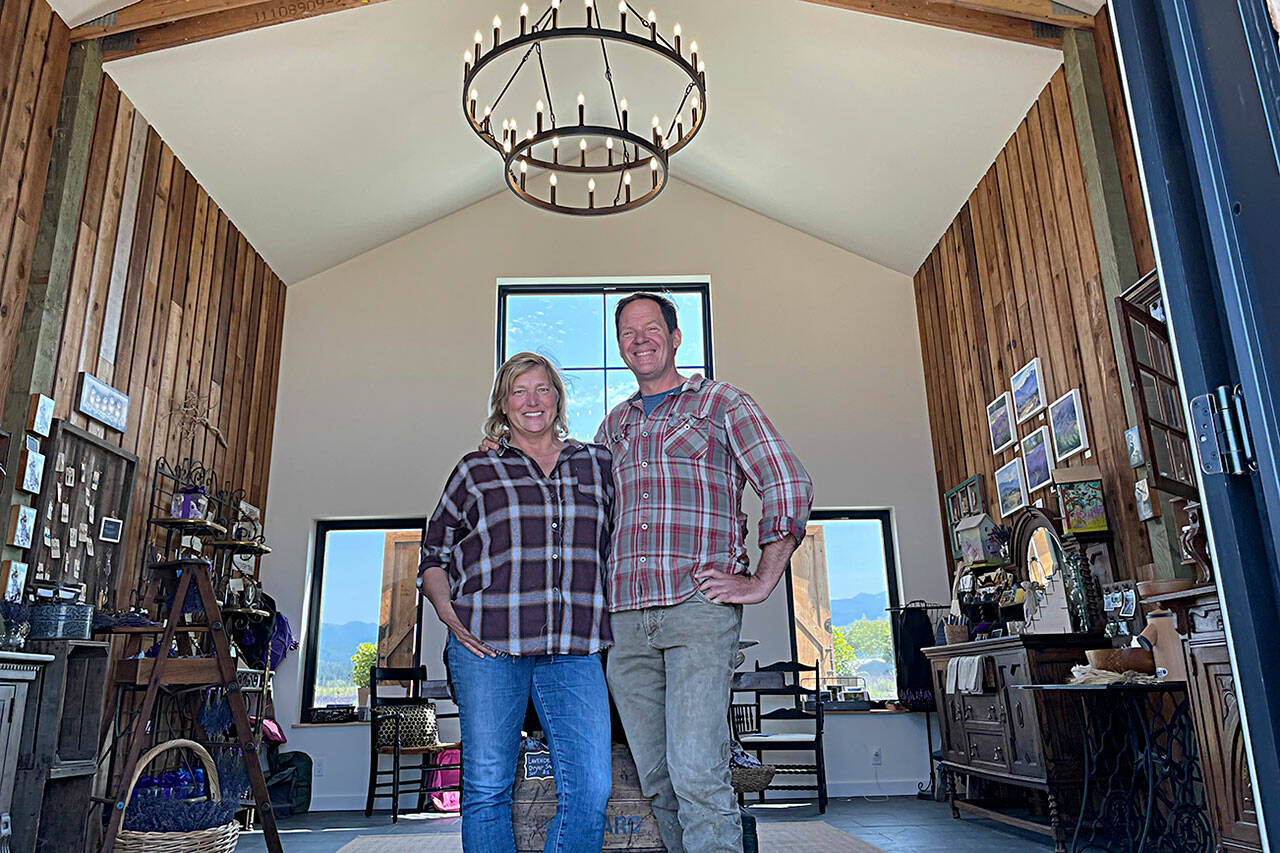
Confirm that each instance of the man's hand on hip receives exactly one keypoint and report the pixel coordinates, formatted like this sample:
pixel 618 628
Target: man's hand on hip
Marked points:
pixel 724 588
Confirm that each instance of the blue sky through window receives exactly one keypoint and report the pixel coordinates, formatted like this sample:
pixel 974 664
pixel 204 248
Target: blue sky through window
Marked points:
pixel 575 331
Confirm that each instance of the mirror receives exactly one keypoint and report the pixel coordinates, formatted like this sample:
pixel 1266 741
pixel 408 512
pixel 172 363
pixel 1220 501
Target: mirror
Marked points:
pixel 1044 556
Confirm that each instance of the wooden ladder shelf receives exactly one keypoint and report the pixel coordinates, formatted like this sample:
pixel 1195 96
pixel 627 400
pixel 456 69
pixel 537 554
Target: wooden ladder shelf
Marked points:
pixel 164 670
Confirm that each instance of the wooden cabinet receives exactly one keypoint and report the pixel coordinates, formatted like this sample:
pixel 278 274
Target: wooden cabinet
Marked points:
pixel 17 671
pixel 1009 735
pixel 1217 717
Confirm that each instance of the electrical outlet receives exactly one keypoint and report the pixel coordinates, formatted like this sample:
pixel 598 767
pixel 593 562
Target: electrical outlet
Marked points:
pixel 318 765
pixel 877 758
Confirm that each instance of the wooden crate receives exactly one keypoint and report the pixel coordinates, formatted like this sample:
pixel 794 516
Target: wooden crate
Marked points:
pixel 629 821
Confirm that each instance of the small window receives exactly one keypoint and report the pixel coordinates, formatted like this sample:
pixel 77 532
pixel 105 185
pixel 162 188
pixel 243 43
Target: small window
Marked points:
pixel 363 590
pixel 572 325
pixel 840 584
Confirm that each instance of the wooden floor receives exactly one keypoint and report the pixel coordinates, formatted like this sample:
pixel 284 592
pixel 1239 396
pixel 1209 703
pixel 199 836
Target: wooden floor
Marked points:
pixel 894 824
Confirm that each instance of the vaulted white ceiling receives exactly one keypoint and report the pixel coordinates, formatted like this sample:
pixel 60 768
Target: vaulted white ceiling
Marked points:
pixel 77 12
pixel 326 137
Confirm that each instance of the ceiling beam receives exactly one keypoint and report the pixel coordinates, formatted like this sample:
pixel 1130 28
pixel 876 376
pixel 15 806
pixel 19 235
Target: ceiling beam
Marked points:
pixel 1044 11
pixel 952 17
pixel 218 18
pixel 148 13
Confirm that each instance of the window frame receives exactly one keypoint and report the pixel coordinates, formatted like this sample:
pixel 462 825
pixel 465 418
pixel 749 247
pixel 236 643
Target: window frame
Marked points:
pixel 605 286
pixel 315 594
pixel 892 581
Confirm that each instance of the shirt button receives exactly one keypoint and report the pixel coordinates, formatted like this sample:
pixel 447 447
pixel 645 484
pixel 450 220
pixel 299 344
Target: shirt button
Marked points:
pixel 644 527
pixel 554 525
pixel 644 434
pixel 644 464
pixel 645 496
pixel 642 559
pixel 555 556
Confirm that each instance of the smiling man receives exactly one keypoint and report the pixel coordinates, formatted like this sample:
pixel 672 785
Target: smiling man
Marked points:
pixel 683 449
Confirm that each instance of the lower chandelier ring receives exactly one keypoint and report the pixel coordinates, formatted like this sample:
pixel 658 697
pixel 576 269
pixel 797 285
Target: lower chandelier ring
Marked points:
pixel 655 167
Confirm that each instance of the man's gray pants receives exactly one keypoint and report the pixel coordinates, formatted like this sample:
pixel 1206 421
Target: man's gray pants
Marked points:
pixel 668 672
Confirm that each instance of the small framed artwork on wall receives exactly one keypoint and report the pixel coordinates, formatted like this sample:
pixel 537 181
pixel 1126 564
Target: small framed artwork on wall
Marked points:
pixel 1038 459
pixel 40 415
pixel 104 404
pixel 13 579
pixel 32 470
pixel 1011 488
pixel 1067 417
pixel 1000 423
pixel 1028 390
pixel 22 522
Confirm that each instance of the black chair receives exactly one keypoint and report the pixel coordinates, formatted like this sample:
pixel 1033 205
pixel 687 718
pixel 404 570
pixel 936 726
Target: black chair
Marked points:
pixel 776 693
pixel 395 713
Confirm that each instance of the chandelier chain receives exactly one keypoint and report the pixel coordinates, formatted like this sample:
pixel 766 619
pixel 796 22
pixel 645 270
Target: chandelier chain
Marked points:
pixel 546 87
pixel 617 112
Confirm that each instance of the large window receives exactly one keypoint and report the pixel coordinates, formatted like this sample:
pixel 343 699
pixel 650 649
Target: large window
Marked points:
pixel 572 325
pixel 363 590
pixel 841 581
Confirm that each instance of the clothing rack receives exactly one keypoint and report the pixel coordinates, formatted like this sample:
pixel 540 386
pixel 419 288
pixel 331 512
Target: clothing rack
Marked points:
pixel 924 792
pixel 917 604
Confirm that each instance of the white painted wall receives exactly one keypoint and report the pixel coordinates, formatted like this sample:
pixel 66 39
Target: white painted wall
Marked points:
pixel 388 360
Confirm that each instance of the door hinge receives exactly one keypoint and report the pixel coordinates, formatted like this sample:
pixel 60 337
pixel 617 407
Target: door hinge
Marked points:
pixel 1222 432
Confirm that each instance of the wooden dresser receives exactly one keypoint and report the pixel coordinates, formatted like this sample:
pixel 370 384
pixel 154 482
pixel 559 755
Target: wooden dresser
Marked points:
pixel 17 671
pixel 1219 734
pixel 1011 736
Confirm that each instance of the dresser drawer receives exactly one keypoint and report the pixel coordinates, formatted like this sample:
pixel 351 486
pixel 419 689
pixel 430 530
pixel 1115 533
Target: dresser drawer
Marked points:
pixel 987 748
pixel 983 708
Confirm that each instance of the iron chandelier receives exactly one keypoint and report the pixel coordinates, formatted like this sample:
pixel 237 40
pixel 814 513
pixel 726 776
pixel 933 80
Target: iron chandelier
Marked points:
pixel 572 156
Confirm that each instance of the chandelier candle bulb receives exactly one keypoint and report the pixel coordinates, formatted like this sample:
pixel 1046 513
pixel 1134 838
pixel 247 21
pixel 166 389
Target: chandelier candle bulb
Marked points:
pixel 622 15
pixel 524 17
pixel 555 13
pixel 653 25
pixel 552 181
pixel 524 172
pixel 608 144
pixel 676 32
pixel 695 110
pixel 626 184
pixel 497 29
pixel 555 149
pixel 680 128
pixel 582 108
pixel 582 147
pixel 474 95
pixel 693 49
pixel 624 113
pixel 539 107
pixel 479 44
pixel 653 170
pixel 591 193
pixel 466 62
pixel 587 3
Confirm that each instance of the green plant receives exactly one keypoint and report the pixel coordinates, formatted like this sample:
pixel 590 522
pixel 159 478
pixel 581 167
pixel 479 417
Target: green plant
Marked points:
pixel 366 656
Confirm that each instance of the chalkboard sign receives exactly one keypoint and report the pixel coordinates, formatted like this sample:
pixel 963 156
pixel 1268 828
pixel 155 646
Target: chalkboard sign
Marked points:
pixel 537 765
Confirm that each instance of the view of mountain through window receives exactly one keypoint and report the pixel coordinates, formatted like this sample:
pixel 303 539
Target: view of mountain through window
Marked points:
pixel 574 329
pixel 840 584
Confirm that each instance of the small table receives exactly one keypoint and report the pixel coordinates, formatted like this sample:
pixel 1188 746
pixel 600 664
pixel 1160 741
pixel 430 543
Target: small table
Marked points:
pixel 1143 786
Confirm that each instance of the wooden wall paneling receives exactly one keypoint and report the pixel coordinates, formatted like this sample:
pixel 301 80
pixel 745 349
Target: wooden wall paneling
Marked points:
pixel 122 253
pixel 973 305
pixel 24 165
pixel 259 379
pixel 204 444
pixel 954 373
pixel 1021 257
pixel 108 232
pixel 13 26
pixel 165 360
pixel 136 267
pixel 269 410
pixel 925 331
pixel 969 383
pixel 1122 137
pixel 942 448
pixel 1031 230
pixel 190 275
pixel 79 289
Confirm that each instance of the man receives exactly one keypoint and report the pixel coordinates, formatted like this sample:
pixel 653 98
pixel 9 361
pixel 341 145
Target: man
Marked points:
pixel 683 448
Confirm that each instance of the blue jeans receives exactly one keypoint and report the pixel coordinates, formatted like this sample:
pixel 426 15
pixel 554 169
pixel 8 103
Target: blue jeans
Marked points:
pixel 572 701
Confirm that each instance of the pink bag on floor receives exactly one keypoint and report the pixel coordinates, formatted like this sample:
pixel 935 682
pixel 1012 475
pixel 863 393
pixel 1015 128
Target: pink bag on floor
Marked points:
pixel 447 801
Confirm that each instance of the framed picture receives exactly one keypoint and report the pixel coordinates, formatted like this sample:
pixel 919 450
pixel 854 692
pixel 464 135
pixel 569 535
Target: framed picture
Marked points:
pixel 1146 503
pixel 1000 423
pixel 13 579
pixel 1028 390
pixel 1133 444
pixel 40 415
pixel 104 404
pixel 1011 488
pixel 961 502
pixel 1081 500
pixel 975 503
pixel 1067 417
pixel 110 530
pixel 1037 459
pixel 22 522
pixel 32 468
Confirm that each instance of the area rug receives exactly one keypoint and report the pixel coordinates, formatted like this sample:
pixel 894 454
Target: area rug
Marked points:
pixel 808 836
pixel 794 836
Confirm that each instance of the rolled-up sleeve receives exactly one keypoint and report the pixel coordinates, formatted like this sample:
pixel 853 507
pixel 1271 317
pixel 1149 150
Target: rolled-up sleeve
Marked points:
pixel 446 526
pixel 772 469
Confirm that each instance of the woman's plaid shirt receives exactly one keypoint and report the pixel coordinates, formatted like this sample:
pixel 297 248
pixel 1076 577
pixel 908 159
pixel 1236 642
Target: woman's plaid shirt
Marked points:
pixel 680 474
pixel 525 553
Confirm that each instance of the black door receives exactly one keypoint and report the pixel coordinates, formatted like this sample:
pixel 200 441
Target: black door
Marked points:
pixel 1204 83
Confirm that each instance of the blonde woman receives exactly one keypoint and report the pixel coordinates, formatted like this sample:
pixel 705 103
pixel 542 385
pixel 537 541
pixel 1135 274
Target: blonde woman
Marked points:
pixel 513 563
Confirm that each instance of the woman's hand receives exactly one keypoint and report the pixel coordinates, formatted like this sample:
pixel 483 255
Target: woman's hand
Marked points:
pixel 486 445
pixel 435 586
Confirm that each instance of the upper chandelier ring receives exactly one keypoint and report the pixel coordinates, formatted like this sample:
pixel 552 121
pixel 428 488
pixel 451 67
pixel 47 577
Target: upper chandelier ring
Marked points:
pixel 539 147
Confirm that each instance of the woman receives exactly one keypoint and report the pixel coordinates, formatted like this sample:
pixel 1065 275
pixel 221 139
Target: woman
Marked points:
pixel 513 563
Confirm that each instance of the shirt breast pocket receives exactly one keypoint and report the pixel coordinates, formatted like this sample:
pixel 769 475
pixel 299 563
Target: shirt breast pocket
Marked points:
pixel 688 438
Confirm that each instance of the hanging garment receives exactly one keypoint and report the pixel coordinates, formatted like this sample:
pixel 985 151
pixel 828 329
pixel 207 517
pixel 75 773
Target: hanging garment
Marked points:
pixel 915 678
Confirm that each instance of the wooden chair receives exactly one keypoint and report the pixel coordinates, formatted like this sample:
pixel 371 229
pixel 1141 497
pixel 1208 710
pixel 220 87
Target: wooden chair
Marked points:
pixel 766 686
pixel 380 779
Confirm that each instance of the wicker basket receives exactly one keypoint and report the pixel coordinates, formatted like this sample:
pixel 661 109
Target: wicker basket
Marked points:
pixel 750 780
pixel 956 634
pixel 215 839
